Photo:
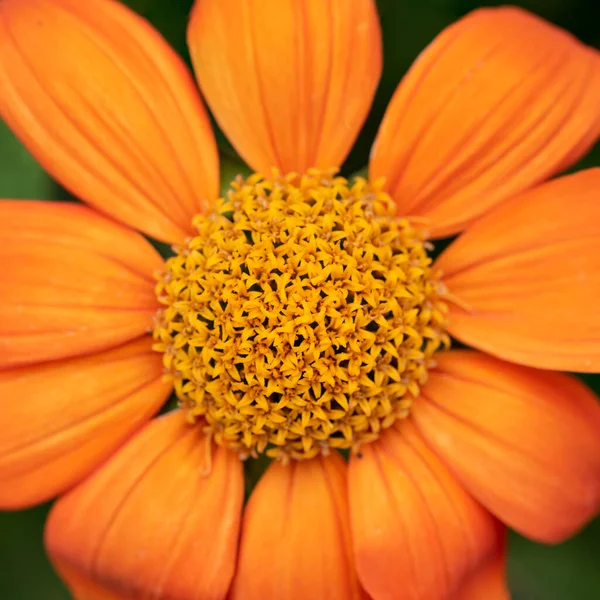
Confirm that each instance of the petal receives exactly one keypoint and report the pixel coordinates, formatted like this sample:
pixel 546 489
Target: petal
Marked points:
pixel 500 101
pixel 525 443
pixel 416 533
pixel 296 539
pixel 526 276
pixel 165 519
pixel 488 582
pixel 122 126
pixel 290 83
pixel 62 419
pixel 73 282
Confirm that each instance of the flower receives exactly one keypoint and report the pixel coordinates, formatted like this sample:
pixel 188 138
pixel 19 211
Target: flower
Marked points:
pixel 301 313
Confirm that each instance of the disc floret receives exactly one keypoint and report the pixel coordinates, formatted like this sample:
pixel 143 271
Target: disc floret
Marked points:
pixel 303 316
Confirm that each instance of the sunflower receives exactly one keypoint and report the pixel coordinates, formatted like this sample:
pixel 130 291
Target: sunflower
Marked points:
pixel 301 320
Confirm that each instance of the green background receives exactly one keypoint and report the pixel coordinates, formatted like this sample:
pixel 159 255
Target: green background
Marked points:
pixel 565 572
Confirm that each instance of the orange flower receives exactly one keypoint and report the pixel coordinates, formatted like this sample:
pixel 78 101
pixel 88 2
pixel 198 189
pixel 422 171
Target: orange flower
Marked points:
pixel 299 316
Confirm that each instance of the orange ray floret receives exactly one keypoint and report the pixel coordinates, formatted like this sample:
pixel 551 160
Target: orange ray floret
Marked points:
pixel 416 532
pixel 535 436
pixel 296 535
pixel 290 83
pixel 122 126
pixel 527 277
pixel 499 102
pixel 165 518
pixel 72 282
pixel 61 420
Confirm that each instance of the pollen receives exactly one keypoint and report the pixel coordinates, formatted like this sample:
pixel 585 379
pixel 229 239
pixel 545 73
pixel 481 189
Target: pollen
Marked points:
pixel 302 317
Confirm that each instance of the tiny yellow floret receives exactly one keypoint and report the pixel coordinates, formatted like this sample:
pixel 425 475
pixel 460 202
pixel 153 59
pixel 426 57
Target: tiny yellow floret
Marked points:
pixel 302 317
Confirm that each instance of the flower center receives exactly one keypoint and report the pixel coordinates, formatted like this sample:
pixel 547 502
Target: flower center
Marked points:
pixel 302 317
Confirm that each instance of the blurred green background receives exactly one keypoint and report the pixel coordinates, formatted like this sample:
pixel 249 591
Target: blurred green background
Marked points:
pixel 569 571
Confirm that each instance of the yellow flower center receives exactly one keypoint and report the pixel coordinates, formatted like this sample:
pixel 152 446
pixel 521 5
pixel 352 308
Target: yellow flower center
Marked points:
pixel 302 317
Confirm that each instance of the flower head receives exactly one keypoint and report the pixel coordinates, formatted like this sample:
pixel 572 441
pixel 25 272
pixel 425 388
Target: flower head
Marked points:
pixel 302 313
pixel 302 317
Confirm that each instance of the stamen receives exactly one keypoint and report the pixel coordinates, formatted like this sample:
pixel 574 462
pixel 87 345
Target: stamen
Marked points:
pixel 302 317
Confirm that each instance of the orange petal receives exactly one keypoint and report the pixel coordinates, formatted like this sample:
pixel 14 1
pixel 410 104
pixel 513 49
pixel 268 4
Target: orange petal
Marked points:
pixel 62 419
pixel 488 582
pixel 72 282
pixel 526 276
pixel 290 83
pixel 122 126
pixel 416 533
pixel 500 101
pixel 296 539
pixel 525 443
pixel 165 519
